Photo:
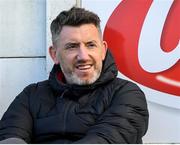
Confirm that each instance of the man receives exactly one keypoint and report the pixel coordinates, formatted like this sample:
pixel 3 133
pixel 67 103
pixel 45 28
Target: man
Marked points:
pixel 83 101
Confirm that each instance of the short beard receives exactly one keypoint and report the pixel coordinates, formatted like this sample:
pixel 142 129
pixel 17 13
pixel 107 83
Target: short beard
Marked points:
pixel 72 78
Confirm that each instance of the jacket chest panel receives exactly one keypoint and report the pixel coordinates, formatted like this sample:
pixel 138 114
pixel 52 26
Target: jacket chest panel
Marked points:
pixel 62 119
pixel 67 117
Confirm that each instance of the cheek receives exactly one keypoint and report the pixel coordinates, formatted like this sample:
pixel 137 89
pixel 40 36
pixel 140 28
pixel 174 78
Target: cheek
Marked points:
pixel 67 60
pixel 100 57
pixel 98 60
pixel 58 56
pixel 103 55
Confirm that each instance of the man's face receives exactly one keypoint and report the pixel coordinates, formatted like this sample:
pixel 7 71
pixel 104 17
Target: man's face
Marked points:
pixel 80 52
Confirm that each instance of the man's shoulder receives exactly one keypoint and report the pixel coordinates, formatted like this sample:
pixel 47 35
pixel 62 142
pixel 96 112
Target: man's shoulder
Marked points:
pixel 37 85
pixel 126 84
pixel 38 93
pixel 125 87
pixel 35 89
pixel 120 86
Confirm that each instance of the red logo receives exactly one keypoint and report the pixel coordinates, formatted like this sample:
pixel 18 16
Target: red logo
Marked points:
pixel 124 31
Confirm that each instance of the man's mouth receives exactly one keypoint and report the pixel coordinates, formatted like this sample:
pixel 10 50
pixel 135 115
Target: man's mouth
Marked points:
pixel 84 66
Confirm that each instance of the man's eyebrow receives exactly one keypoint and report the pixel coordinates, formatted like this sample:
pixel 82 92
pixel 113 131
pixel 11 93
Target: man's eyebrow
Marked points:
pixel 91 41
pixel 71 43
pixel 77 43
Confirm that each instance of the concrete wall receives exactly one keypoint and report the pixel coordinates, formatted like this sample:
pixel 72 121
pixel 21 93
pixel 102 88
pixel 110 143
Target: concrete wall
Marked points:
pixel 22 46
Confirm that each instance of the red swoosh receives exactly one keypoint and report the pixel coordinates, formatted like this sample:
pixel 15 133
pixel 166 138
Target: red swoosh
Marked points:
pixel 122 33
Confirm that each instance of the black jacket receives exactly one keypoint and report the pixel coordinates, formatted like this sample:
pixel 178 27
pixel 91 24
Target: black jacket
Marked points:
pixel 111 110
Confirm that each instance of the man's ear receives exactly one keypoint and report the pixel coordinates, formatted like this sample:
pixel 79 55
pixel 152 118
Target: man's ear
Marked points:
pixel 104 49
pixel 52 53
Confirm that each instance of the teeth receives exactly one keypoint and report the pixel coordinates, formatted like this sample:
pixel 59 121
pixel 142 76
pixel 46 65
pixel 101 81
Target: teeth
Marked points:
pixel 82 67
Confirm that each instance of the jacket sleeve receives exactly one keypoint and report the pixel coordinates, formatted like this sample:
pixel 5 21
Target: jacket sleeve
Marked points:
pixel 125 121
pixel 12 141
pixel 17 121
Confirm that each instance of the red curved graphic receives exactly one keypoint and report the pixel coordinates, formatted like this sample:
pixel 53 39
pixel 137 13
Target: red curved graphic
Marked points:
pixel 122 33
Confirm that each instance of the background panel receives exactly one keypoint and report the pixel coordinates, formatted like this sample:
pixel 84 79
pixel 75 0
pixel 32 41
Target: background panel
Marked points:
pixel 15 74
pixel 22 28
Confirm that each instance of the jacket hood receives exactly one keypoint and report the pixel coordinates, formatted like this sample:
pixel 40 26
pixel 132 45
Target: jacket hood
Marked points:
pixel 108 73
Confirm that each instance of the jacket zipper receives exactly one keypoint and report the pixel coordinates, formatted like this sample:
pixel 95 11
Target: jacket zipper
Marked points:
pixel 66 109
pixel 65 115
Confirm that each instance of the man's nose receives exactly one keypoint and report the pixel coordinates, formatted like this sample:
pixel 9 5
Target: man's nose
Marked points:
pixel 83 53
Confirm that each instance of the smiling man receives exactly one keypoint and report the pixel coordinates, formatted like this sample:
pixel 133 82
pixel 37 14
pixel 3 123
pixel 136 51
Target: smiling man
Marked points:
pixel 80 53
pixel 83 101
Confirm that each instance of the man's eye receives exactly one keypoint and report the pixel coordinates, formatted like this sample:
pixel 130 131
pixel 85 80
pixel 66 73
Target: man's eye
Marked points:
pixel 91 45
pixel 70 47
